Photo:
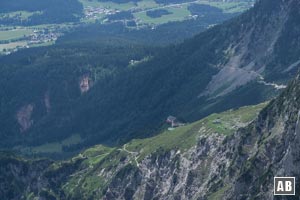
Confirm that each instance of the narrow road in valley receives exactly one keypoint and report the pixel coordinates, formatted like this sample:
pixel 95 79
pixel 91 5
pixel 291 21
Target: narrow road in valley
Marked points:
pixel 166 6
pixel 276 86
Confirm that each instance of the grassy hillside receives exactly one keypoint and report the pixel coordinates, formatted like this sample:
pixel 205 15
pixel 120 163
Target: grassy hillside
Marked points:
pixel 88 174
pixel 183 138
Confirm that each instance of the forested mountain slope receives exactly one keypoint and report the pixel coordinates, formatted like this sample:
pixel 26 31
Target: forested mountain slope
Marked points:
pixel 231 155
pixel 40 12
pixel 227 66
pixel 41 85
pixel 221 68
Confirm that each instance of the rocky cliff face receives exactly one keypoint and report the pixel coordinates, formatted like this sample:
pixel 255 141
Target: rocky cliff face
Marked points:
pixel 24 117
pixel 269 147
pixel 174 175
pixel 19 176
pixel 255 42
pixel 85 83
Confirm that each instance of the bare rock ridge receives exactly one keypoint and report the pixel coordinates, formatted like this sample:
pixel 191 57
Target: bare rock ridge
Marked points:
pixel 47 102
pixel 23 117
pixel 85 83
pixel 253 48
pixel 274 138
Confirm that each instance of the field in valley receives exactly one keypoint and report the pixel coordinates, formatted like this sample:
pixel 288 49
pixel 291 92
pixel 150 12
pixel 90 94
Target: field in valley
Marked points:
pixel 13 38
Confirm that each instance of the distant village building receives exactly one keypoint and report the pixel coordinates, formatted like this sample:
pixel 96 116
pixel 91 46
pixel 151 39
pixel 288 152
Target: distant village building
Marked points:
pixel 174 122
pixel 217 121
pixel 171 119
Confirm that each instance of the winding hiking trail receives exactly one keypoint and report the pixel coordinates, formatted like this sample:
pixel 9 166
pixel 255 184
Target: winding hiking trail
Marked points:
pixel 134 154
